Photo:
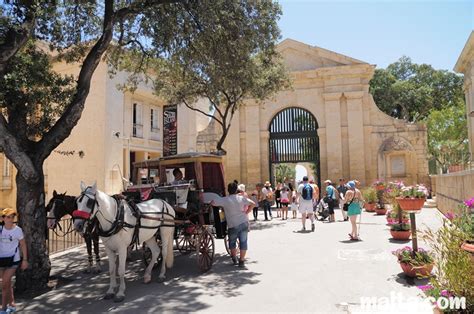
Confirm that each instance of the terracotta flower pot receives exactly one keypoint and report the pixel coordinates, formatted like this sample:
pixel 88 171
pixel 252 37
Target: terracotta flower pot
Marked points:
pixel 468 247
pixel 370 207
pixel 400 235
pixel 418 271
pixel 381 211
pixel 410 204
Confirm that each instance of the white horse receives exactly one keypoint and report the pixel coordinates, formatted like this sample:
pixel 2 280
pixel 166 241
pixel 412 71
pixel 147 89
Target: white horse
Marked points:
pixel 117 228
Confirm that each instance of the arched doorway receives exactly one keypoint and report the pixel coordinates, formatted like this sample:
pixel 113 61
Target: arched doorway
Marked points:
pixel 294 139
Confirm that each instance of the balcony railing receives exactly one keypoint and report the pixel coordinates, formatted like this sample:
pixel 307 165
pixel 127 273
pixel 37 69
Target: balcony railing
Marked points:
pixel 155 134
pixel 138 130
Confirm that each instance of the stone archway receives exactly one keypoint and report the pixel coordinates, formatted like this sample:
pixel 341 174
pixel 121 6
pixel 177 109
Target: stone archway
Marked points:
pixel 293 138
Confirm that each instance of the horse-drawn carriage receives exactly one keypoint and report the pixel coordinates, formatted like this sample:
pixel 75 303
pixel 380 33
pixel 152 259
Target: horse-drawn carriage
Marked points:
pixel 196 222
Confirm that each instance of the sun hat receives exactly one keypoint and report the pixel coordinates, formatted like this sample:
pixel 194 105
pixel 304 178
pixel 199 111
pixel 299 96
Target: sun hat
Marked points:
pixel 241 187
pixel 8 212
pixel 267 183
pixel 351 184
pixel 328 181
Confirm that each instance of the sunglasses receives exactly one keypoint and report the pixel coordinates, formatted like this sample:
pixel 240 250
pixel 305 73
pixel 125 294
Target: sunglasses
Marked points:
pixel 9 216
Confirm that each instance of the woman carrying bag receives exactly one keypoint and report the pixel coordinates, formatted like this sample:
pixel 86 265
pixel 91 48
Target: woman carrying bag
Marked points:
pixel 12 243
pixel 354 199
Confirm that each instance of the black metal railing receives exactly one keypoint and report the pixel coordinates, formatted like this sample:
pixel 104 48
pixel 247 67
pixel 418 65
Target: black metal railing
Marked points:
pixel 64 238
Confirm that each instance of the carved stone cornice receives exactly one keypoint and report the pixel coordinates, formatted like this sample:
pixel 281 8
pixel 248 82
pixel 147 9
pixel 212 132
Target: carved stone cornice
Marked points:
pixel 356 94
pixel 332 96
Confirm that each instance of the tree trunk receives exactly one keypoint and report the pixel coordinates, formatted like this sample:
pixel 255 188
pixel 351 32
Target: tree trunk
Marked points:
pixel 221 150
pixel 32 219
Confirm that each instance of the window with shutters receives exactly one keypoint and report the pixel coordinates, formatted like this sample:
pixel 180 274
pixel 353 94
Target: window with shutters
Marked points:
pixel 154 128
pixel 137 120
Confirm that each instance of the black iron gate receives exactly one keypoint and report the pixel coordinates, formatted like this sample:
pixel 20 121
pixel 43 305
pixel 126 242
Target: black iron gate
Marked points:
pixel 293 139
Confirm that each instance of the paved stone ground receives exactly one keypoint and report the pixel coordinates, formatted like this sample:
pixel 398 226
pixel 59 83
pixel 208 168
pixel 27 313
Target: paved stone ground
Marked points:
pixel 287 271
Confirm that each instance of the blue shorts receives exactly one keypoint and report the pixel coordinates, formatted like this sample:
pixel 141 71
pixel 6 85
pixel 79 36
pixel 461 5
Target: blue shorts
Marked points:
pixel 240 232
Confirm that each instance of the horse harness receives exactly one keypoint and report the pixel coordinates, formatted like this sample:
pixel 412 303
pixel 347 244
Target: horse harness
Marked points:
pixel 119 223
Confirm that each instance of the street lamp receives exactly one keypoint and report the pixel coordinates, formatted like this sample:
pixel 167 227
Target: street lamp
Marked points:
pixel 471 114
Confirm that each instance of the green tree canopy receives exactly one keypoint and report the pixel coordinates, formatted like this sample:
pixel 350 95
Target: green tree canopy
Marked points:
pixel 283 171
pixel 231 58
pixel 410 91
pixel 447 136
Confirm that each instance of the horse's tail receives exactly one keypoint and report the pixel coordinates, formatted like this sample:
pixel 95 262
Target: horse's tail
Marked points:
pixel 170 256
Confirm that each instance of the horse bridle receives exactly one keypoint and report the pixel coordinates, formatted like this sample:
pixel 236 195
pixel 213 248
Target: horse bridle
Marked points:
pixel 90 204
pixel 69 229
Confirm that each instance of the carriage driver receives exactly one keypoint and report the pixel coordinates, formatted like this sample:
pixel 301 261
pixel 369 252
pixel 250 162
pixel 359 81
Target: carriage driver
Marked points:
pixel 178 176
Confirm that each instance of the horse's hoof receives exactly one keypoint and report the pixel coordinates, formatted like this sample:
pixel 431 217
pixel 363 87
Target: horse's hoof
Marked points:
pixel 147 279
pixel 87 271
pixel 161 279
pixel 118 299
pixel 97 270
pixel 108 296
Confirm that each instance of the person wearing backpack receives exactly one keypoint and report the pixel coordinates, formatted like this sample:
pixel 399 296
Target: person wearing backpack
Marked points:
pixel 305 200
pixel 12 242
pixel 330 199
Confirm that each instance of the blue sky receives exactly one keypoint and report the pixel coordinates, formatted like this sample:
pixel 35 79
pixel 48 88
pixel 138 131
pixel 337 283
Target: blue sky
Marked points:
pixel 380 32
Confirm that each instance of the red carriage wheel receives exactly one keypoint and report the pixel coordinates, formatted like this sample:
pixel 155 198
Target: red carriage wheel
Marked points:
pixel 205 249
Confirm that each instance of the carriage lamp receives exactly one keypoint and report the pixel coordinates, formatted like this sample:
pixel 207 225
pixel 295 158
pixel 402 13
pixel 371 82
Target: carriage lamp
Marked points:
pixel 471 114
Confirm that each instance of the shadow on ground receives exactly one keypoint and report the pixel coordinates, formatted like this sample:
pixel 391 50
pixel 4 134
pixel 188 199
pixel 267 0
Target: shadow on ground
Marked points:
pixel 76 291
pixel 406 281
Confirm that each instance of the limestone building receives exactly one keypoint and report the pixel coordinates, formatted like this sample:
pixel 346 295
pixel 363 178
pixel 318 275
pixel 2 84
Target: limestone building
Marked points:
pixel 345 133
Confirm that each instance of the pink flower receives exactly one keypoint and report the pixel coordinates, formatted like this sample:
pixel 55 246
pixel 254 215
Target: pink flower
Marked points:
pixel 469 203
pixel 425 287
pixel 450 215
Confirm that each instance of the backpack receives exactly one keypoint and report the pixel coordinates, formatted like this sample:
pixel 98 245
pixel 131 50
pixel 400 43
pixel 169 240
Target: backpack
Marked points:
pixel 307 192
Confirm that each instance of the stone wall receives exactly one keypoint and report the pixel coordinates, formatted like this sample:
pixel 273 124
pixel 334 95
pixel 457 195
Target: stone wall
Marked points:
pixel 452 189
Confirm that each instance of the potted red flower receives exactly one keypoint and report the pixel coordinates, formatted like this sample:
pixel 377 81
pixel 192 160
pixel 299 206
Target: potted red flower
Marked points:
pixel 414 263
pixel 379 185
pixel 412 198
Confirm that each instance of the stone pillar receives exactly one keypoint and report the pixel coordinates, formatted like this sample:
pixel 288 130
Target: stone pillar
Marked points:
pixel 469 93
pixel 355 124
pixel 264 156
pixel 252 143
pixel 333 135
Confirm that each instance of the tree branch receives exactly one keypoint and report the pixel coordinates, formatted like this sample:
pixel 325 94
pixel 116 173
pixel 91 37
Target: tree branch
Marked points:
pixel 16 154
pixel 202 112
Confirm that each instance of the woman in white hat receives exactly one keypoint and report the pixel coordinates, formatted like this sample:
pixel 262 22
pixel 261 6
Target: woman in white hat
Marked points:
pixel 11 243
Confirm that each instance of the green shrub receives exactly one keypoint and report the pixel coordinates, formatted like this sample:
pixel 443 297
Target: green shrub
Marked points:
pixel 400 227
pixel 370 195
pixel 454 270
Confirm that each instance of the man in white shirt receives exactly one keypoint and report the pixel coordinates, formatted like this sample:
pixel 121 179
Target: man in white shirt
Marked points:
pixel 305 200
pixel 236 208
